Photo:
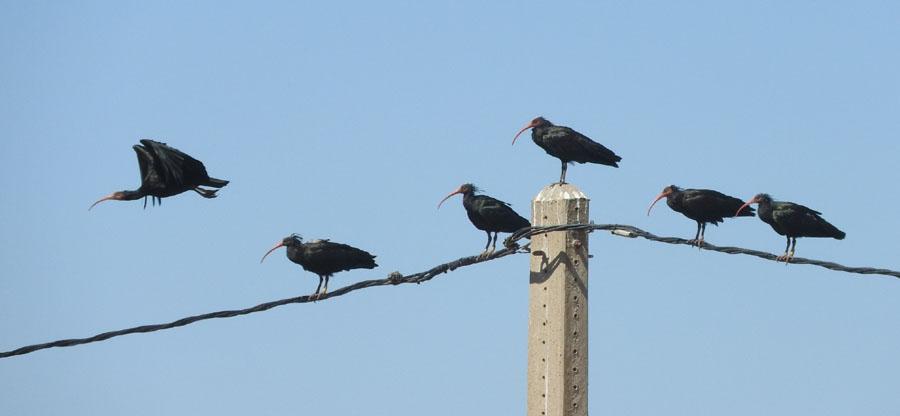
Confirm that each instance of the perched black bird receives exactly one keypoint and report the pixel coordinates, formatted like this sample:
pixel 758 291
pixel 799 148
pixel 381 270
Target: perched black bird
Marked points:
pixel 488 214
pixel 324 258
pixel 568 145
pixel 166 171
pixel 793 221
pixel 701 205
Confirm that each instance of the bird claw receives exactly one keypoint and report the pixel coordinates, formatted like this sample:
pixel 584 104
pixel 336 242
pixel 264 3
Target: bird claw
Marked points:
pixel 786 257
pixel 485 254
pixel 696 242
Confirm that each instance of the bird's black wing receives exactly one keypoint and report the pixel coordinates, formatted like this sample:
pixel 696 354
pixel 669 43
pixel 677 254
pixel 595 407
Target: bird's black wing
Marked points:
pixel 714 204
pixel 176 167
pixel 337 256
pixel 499 213
pixel 145 161
pixel 577 147
pixel 802 221
pixel 793 214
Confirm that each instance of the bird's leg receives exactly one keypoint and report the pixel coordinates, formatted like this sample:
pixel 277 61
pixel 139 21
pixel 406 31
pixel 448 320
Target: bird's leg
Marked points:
pixel 485 252
pixel 315 296
pixel 562 176
pixel 702 234
pixel 791 253
pixel 696 236
pixel 325 290
pixel 145 202
pixel 493 245
pixel 784 257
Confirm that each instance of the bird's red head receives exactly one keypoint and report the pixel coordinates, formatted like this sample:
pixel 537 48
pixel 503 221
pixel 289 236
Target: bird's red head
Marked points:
pixel 466 188
pixel 755 200
pixel 288 241
pixel 669 190
pixel 537 122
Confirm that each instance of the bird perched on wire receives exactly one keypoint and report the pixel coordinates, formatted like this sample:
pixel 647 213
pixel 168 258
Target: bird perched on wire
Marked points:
pixel 324 258
pixel 488 214
pixel 792 221
pixel 701 205
pixel 166 171
pixel 568 145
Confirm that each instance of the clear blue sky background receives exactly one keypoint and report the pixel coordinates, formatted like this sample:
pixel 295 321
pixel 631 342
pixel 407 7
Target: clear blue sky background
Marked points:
pixel 351 120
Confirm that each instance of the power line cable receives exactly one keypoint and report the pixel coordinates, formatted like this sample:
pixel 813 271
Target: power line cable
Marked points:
pixel 395 278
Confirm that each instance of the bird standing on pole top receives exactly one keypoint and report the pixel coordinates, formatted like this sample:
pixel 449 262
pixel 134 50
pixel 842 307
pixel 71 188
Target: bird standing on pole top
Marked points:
pixel 701 205
pixel 323 258
pixel 166 171
pixel 488 214
pixel 568 145
pixel 792 221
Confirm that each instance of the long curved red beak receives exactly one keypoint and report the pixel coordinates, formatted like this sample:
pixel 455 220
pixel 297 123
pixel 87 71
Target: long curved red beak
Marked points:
pixel 458 191
pixel 527 126
pixel 105 198
pixel 746 204
pixel 658 197
pixel 280 244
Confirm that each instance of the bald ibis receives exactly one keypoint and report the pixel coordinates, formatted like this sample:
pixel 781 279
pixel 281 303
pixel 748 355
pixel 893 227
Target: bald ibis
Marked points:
pixel 166 171
pixel 792 221
pixel 568 145
pixel 323 258
pixel 701 205
pixel 488 214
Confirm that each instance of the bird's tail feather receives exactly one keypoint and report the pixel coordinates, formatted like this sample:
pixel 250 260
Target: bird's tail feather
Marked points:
pixel 206 193
pixel 746 212
pixel 216 183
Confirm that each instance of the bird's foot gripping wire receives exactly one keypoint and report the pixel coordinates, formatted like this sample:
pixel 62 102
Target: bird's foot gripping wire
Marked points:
pixel 786 257
pixel 485 254
pixel 697 242
pixel 318 295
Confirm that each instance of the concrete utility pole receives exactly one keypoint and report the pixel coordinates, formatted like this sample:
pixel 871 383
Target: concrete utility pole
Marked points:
pixel 558 311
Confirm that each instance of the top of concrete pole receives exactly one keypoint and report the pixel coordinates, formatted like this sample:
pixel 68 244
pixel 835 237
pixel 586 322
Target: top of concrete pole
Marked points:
pixel 556 191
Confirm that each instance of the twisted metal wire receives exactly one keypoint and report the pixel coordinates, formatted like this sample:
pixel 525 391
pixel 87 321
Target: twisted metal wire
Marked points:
pixel 395 278
pixel 634 232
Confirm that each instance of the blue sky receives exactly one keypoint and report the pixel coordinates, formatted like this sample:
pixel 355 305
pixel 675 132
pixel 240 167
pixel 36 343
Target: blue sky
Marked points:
pixel 351 120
